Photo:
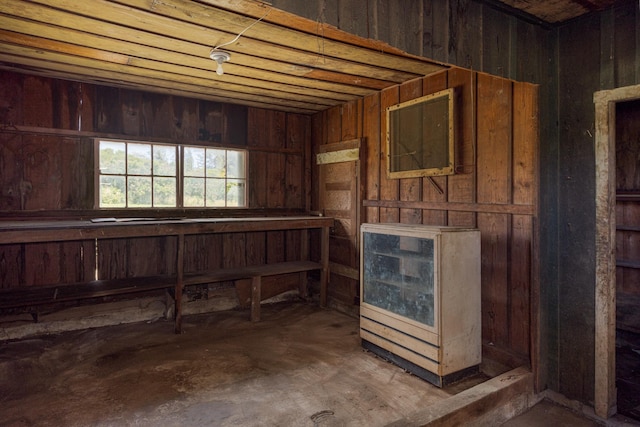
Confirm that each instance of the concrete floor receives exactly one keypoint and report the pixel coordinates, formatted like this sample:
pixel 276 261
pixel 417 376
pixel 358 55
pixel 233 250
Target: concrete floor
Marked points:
pixel 300 366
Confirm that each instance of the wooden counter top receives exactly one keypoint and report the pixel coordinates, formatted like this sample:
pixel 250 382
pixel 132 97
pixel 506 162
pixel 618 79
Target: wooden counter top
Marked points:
pixel 100 228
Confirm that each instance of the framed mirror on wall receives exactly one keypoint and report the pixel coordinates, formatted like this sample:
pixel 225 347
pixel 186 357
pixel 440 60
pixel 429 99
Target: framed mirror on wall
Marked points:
pixel 420 136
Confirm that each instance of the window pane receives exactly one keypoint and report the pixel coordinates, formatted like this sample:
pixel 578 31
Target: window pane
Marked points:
pixel 139 159
pixel 139 191
pixel 215 163
pixel 235 164
pixel 215 192
pixel 235 192
pixel 112 158
pixel 112 193
pixel 194 162
pixel 164 160
pixel 164 192
pixel 193 192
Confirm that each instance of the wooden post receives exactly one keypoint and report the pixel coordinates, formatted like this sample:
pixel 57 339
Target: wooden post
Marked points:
pixel 324 274
pixel 256 291
pixel 304 256
pixel 179 283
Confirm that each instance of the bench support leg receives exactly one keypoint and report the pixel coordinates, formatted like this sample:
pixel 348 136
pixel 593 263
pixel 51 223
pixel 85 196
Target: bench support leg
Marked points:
pixel 256 285
pixel 302 288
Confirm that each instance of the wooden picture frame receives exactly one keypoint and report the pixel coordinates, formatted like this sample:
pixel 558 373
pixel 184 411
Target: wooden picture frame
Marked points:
pixel 420 136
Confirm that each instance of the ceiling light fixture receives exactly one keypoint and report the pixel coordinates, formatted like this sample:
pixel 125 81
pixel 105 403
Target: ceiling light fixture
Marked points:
pixel 220 56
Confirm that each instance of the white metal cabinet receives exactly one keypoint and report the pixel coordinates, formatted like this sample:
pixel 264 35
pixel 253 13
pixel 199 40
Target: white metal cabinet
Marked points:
pixel 420 298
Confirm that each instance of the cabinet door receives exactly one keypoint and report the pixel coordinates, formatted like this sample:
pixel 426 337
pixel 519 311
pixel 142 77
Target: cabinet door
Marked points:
pixel 399 276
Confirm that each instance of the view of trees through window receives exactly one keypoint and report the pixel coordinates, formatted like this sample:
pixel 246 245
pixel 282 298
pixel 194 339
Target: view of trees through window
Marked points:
pixel 140 175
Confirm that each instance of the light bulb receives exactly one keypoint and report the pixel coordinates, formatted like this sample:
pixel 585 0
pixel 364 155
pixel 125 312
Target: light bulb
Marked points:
pixel 220 57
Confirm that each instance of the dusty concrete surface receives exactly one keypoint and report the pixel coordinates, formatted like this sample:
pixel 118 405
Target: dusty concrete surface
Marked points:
pixel 300 366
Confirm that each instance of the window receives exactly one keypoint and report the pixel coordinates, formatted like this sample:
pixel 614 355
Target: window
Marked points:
pixel 147 175
pixel 420 136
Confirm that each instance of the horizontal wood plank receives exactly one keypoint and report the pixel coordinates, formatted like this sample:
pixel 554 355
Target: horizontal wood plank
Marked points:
pixel 453 206
pixel 51 231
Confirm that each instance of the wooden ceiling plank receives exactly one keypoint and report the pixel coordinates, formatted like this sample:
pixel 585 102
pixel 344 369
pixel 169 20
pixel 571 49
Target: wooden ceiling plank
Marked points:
pixel 209 77
pixel 166 91
pixel 179 90
pixel 258 78
pixel 39 58
pixel 136 18
pixel 232 22
pixel 134 49
pixel 256 10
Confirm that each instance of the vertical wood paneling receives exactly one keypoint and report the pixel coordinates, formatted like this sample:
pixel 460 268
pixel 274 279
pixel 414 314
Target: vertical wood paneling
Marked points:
pixel 407 15
pixel 11 98
pixel 86 93
pixel 42 173
pixel 108 112
pixel 436 30
pixel 575 290
pixel 410 188
pixel 525 148
pixel 494 149
pixel 11 266
pixel 258 189
pixel 234 250
pixel 494 186
pixel 76 184
pixel 435 189
pixel 462 185
pixel 133 115
pixel 143 262
pixel 196 253
pixel 37 102
pixel 11 174
pixel 293 248
pixel 626 29
pixel 333 125
pixel 465 34
pixel 41 263
pixel 256 248
pixel 112 258
pixel 276 163
pixel 276 244
pixel 373 140
pixel 389 188
pixel 497 43
pixel 185 120
pixel 77 261
pixel 298 128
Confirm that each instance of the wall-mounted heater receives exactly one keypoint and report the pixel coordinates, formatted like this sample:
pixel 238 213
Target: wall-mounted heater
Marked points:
pixel 420 298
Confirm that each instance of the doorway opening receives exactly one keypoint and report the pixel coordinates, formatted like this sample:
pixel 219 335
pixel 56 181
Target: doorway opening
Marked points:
pixel 627 143
pixel 606 107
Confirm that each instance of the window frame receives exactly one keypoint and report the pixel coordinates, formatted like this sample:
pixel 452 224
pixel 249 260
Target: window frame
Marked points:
pixel 179 176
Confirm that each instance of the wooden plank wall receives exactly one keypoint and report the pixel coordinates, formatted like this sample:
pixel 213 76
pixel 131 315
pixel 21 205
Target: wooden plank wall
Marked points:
pixel 611 60
pixel 494 189
pixel 46 170
pixel 570 62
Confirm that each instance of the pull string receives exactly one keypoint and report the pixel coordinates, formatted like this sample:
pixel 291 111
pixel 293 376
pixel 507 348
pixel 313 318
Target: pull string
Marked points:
pixel 242 32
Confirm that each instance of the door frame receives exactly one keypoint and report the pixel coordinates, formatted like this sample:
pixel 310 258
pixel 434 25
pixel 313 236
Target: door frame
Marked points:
pixel 605 245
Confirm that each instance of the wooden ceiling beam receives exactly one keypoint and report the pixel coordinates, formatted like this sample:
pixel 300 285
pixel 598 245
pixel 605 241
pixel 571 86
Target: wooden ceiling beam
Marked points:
pixel 258 51
pixel 267 30
pixel 133 86
pixel 207 77
pixel 149 78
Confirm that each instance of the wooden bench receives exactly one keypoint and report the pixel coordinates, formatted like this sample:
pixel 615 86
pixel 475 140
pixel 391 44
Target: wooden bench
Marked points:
pixel 23 232
pixel 44 295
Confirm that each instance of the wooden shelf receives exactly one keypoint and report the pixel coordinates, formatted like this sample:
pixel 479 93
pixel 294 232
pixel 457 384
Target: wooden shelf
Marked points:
pixel 24 232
